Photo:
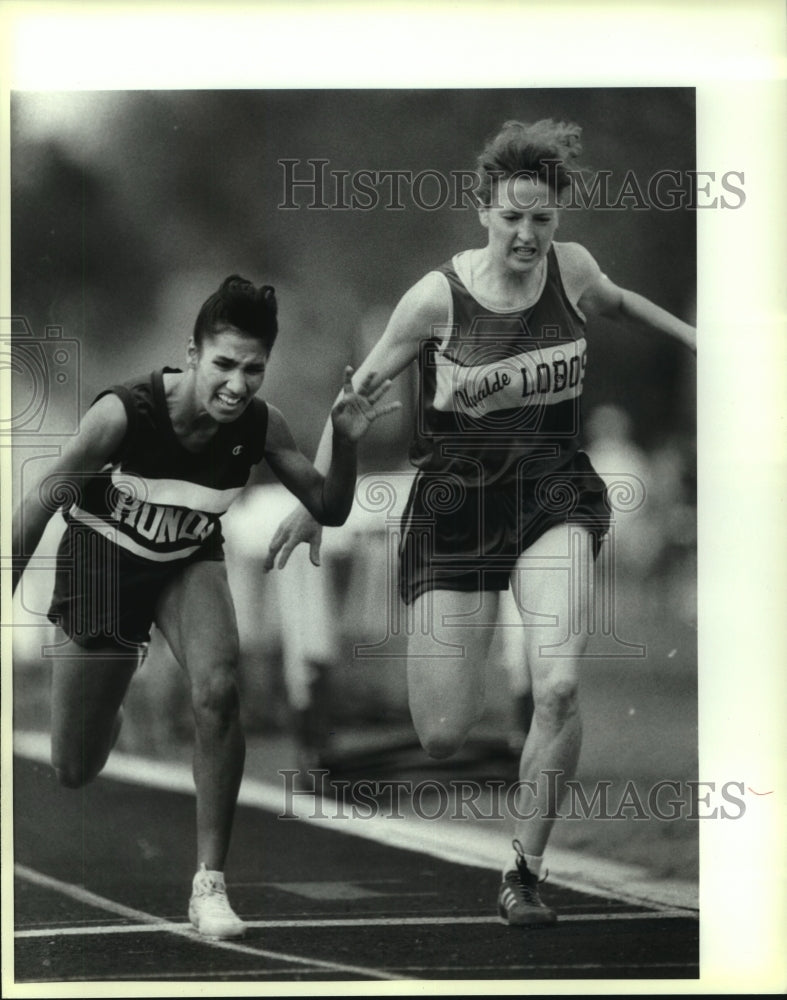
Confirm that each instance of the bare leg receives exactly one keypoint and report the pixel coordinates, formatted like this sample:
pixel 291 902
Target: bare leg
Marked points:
pixel 88 688
pixel 446 692
pixel 197 618
pixel 553 586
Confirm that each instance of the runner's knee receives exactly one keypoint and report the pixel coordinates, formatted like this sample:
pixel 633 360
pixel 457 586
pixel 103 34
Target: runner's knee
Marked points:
pixel 442 737
pixel 441 745
pixel 76 766
pixel 74 773
pixel 215 697
pixel 556 700
pixel 443 718
pixel 69 778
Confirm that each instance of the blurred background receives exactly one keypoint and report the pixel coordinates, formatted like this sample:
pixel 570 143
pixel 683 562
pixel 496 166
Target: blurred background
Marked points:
pixel 129 208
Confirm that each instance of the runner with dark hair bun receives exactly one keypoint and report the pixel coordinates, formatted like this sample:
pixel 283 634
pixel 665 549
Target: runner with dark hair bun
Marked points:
pixel 142 487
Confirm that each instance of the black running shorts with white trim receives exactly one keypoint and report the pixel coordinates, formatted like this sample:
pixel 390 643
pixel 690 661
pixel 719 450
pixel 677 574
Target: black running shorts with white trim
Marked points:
pixel 104 595
pixel 458 537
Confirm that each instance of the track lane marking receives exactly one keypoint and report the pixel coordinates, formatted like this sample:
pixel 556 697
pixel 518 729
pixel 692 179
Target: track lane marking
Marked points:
pixel 469 846
pixel 242 975
pixel 328 922
pixel 151 922
pixel 259 974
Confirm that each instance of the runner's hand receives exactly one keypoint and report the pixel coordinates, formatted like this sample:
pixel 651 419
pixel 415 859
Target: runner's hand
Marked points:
pixel 356 409
pixel 297 527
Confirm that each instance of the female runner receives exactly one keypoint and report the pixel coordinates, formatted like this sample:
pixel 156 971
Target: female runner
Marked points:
pixel 503 495
pixel 156 462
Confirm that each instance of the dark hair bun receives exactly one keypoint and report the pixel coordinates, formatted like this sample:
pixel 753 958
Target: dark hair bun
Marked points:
pixel 235 281
pixel 240 303
pixel 268 295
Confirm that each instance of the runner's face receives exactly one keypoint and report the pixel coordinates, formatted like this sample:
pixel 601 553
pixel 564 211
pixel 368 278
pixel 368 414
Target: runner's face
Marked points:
pixel 521 219
pixel 228 369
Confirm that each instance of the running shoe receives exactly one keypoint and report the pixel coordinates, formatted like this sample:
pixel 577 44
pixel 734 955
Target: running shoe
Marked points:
pixel 209 909
pixel 518 901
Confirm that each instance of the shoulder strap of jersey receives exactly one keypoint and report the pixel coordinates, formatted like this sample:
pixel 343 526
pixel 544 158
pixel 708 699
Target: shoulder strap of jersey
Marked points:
pixel 257 429
pixel 126 396
pixel 555 275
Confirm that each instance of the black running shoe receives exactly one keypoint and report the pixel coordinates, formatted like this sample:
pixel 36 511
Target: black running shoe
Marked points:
pixel 518 901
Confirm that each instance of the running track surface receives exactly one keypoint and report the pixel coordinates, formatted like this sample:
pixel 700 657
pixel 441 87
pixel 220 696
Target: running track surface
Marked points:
pixel 102 879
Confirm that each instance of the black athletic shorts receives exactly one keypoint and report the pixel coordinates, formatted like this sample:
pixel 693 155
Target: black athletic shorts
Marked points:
pixel 457 537
pixel 104 594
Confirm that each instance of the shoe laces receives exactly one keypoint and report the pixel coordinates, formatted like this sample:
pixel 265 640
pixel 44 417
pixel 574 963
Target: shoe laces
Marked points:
pixel 528 882
pixel 209 887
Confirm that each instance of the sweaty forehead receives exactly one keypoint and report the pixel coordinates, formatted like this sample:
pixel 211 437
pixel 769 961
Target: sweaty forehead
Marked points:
pixel 524 194
pixel 230 342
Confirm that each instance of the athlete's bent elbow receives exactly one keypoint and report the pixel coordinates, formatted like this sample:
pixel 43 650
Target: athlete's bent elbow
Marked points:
pixel 333 517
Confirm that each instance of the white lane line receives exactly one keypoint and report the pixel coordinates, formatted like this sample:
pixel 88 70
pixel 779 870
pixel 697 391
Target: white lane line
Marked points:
pixel 565 968
pixel 243 975
pixel 456 972
pixel 149 921
pixel 461 842
pixel 574 918
pixel 91 899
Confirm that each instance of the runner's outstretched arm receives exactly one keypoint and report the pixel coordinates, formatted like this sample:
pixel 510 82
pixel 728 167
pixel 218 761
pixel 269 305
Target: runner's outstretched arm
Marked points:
pixel 328 498
pixel 412 322
pixel 605 298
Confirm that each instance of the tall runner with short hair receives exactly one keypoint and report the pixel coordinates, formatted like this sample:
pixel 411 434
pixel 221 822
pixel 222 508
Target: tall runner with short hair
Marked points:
pixel 503 492
pixel 156 462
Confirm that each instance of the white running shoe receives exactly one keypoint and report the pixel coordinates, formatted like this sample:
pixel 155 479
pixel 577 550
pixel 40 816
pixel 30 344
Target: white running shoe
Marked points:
pixel 209 908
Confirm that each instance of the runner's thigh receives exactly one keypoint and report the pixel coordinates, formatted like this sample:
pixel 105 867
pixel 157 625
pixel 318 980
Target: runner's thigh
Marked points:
pixel 553 587
pixel 88 688
pixel 447 653
pixel 197 617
